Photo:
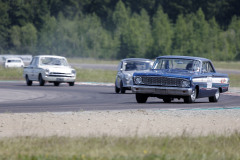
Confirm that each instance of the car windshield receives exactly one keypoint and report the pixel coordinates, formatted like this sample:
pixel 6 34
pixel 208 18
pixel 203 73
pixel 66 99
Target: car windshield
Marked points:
pixel 133 66
pixel 14 61
pixel 177 64
pixel 53 61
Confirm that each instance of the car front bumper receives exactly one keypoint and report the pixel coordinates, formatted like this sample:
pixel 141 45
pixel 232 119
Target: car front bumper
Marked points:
pixel 165 91
pixel 59 79
pixel 127 83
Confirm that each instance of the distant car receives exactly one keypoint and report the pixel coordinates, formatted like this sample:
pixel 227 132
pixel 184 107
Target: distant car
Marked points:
pixel 47 68
pixel 180 77
pixel 126 68
pixel 14 63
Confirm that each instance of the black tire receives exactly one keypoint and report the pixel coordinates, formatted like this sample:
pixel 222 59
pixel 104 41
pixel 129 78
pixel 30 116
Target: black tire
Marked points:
pixel 122 89
pixel 167 100
pixel 215 98
pixel 56 83
pixel 71 83
pixel 41 80
pixel 192 97
pixel 117 90
pixel 141 98
pixel 28 82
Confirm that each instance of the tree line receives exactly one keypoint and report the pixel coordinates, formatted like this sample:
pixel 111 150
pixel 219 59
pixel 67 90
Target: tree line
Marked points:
pixel 116 29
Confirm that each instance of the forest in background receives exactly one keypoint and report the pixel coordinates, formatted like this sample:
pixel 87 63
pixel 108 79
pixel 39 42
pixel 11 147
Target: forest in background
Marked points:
pixel 116 29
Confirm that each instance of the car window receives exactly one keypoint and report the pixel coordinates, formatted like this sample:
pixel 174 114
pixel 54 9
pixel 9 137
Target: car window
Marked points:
pixel 36 61
pixel 53 61
pixel 14 61
pixel 33 61
pixel 133 66
pixel 207 67
pixel 119 66
pixel 177 64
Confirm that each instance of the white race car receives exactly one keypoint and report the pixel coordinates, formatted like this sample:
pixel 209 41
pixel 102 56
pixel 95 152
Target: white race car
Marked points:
pixel 14 63
pixel 48 68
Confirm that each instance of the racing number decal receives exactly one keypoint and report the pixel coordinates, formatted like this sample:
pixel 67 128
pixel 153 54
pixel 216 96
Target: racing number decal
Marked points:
pixel 209 82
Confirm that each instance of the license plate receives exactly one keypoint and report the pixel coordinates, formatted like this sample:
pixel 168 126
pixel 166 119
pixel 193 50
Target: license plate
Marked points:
pixel 59 79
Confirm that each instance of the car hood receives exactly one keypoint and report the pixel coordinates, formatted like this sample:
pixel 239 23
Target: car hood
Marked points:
pixel 132 72
pixel 168 73
pixel 58 69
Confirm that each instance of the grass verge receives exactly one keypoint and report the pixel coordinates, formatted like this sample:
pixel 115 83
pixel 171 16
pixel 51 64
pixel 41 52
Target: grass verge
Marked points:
pixel 116 148
pixel 83 75
pixel 227 65
pixel 234 80
pixel 11 73
pixel 91 61
pixel 92 75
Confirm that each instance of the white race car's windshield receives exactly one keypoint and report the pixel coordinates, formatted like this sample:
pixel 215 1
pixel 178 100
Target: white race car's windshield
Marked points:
pixel 53 61
pixel 177 64
pixel 14 61
pixel 135 66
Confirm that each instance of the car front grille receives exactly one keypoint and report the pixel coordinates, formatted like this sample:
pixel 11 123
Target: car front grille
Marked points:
pixel 161 81
pixel 56 74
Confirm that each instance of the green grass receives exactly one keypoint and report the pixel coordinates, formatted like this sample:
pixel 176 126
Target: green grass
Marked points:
pixel 90 75
pixel 91 61
pixel 11 73
pixel 234 80
pixel 83 75
pixel 227 65
pixel 117 148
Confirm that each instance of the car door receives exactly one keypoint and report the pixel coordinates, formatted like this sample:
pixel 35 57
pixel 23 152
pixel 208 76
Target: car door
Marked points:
pixel 208 73
pixel 119 74
pixel 35 69
pixel 29 70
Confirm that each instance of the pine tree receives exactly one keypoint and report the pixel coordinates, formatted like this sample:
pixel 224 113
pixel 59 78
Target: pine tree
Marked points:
pixel 121 19
pixel 234 38
pixel 162 34
pixel 4 24
pixel 180 40
pixel 47 36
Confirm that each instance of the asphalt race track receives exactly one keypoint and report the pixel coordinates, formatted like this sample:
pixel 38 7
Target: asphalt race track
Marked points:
pixel 16 97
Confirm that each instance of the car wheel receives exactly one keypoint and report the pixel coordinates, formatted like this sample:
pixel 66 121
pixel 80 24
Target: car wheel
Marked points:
pixel 192 97
pixel 117 90
pixel 215 98
pixel 71 83
pixel 141 98
pixel 167 100
pixel 28 82
pixel 41 80
pixel 56 83
pixel 122 89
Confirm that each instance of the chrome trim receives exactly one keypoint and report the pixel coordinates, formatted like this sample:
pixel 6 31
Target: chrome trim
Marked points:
pixel 64 79
pixel 172 91
pixel 161 81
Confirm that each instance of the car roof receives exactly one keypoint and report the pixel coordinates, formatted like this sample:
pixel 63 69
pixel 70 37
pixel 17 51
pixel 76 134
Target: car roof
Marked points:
pixel 14 58
pixel 136 59
pixel 53 56
pixel 185 57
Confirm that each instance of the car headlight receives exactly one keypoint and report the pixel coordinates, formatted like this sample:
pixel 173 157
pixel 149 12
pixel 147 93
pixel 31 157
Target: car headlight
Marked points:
pixel 127 76
pixel 185 83
pixel 138 80
pixel 47 71
pixel 73 71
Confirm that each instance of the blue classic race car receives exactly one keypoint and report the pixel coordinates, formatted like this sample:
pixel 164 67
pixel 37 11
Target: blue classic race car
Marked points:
pixel 180 77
